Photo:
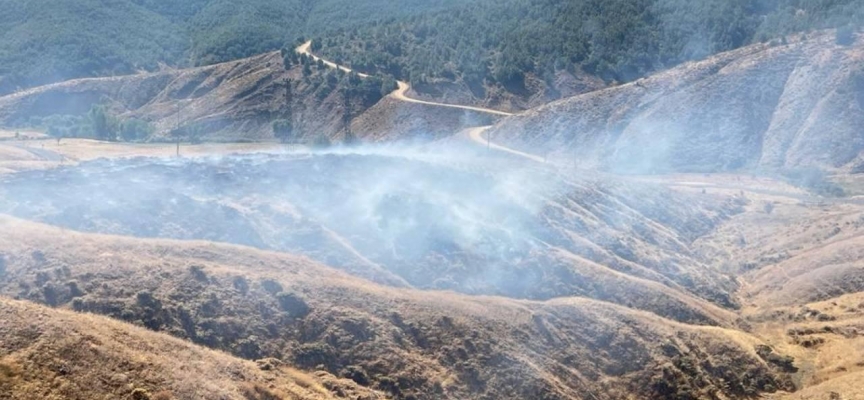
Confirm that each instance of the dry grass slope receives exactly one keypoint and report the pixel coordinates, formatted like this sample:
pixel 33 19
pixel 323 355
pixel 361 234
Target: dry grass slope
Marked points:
pixel 407 343
pixel 791 105
pixel 52 354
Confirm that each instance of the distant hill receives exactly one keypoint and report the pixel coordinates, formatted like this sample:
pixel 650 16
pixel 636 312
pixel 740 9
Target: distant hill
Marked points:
pixel 231 101
pixel 765 106
pixel 44 41
pixel 517 54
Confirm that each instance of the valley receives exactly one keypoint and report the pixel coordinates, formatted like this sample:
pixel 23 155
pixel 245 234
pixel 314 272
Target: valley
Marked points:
pixel 258 200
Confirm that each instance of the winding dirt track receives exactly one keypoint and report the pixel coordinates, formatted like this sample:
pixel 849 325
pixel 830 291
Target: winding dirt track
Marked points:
pixel 475 134
pixel 403 87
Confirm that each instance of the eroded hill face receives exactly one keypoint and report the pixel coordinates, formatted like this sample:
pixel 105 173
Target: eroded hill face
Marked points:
pixel 607 285
pixel 410 218
pixel 233 101
pixel 50 354
pixel 408 343
pixel 793 105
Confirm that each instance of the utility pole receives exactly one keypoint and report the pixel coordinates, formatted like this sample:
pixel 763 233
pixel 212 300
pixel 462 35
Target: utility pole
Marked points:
pixel 177 130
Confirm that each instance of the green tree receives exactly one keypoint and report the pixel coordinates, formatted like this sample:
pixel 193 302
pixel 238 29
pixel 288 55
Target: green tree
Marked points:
pixel 350 138
pixel 283 129
pixel 103 124
pixel 135 129
pixel 321 142
pixel 57 132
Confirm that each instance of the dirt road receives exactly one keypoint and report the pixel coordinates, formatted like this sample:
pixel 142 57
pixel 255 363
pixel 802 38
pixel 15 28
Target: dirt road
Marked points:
pixel 402 87
pixel 475 134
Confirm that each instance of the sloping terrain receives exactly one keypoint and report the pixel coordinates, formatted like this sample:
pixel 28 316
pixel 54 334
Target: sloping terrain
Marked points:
pixel 409 343
pixel 44 41
pixel 518 54
pixel 431 219
pixel 232 101
pixel 785 105
pixel 51 354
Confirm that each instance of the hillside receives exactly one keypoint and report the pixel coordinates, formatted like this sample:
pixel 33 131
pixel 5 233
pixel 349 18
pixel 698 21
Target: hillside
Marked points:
pixel 50 354
pixel 764 106
pixel 409 343
pixel 231 101
pixel 43 41
pixel 406 218
pixel 518 54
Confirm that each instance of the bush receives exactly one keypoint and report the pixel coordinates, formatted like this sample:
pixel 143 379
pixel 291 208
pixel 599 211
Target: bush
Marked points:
pixel 293 305
pixel 145 299
pixel 321 142
pixel 814 180
pixel 283 129
pixel 311 355
pixel 198 273
pixel 271 286
pixel 74 290
pixel 241 284
pixel 2 264
pixel 135 129
pixel 140 394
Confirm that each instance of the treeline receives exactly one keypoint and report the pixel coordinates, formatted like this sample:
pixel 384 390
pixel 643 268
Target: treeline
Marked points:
pixel 320 82
pixel 500 41
pixel 44 41
pixel 99 123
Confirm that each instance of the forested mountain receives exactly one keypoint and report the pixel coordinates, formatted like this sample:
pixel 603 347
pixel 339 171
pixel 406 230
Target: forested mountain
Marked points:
pixel 43 41
pixel 497 43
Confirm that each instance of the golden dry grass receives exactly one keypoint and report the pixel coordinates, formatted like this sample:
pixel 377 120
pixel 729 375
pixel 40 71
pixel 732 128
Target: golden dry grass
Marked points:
pixel 47 153
pixel 53 354
pixel 439 344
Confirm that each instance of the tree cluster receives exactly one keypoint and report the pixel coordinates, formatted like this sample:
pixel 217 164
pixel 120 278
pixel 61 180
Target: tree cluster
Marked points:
pixel 44 41
pixel 499 42
pixel 99 123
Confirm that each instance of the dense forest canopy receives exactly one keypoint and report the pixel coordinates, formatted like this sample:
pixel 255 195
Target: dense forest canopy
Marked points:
pixel 499 41
pixel 43 41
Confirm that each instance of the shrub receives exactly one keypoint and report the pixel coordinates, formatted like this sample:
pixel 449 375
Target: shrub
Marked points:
pixel 283 129
pixel 248 348
pixel 2 264
pixel 271 286
pixel 311 355
pixel 321 142
pixel 78 305
pixel 814 180
pixel 198 273
pixel 145 299
pixel 357 374
pixel 241 284
pixel 74 290
pixel 135 129
pixel 141 394
pixel 50 294
pixel 292 304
